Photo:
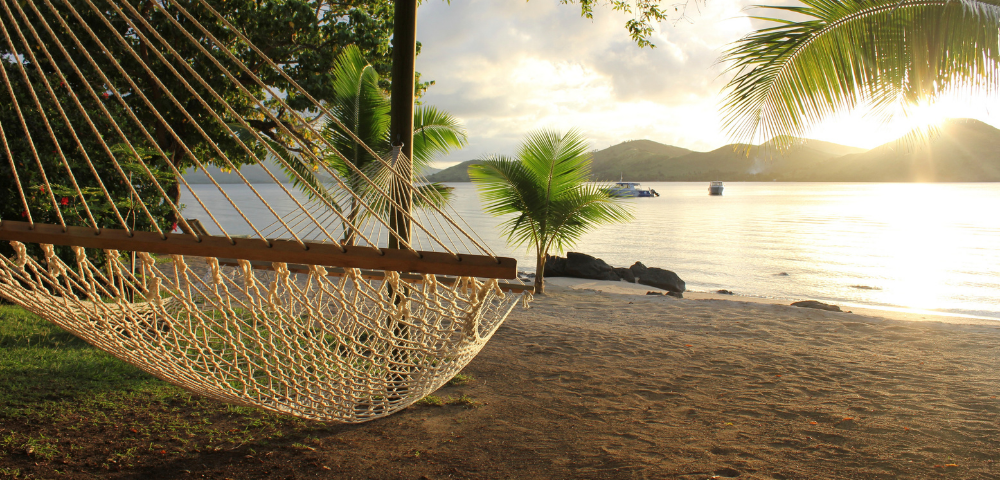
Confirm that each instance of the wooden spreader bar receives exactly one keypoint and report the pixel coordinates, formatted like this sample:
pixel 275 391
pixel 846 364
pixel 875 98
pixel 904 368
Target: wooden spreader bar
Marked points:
pixel 287 251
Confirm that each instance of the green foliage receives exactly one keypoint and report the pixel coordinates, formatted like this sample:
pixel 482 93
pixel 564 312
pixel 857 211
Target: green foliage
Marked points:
pixel 460 379
pixel 545 194
pixel 852 53
pixel 644 13
pixel 304 36
pixel 430 401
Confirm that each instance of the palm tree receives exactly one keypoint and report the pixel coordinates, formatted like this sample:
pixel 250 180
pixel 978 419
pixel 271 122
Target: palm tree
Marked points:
pixel 546 193
pixel 361 109
pixel 846 54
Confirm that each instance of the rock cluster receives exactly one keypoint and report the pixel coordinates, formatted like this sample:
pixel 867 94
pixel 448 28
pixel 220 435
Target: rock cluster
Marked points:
pixel 581 265
pixel 817 305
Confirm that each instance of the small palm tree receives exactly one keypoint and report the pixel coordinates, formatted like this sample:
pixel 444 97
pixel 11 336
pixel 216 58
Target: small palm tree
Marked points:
pixel 850 53
pixel 547 193
pixel 361 108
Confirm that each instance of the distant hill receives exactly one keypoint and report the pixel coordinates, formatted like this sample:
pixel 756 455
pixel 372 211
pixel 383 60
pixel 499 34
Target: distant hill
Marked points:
pixel 963 150
pixel 454 173
pixel 627 158
pixel 827 147
pixel 256 174
pixel 646 160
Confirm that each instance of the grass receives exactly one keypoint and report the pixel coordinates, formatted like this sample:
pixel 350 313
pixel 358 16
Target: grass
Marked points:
pixel 59 397
pixel 430 401
pixel 460 379
pixel 68 407
pixel 436 401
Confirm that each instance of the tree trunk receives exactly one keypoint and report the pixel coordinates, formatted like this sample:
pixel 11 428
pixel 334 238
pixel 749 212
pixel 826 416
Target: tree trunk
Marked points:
pixel 174 190
pixel 350 233
pixel 540 274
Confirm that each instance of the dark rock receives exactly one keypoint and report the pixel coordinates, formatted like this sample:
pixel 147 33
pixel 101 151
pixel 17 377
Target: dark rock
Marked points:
pixel 581 265
pixel 654 293
pixel 555 266
pixel 624 274
pixel 817 305
pixel 657 277
pixel 676 294
pixel 725 292
pixel 782 274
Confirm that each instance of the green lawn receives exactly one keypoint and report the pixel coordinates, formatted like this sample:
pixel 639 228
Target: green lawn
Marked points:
pixel 66 406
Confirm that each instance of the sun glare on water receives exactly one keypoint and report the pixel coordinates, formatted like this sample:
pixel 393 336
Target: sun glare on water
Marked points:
pixel 923 236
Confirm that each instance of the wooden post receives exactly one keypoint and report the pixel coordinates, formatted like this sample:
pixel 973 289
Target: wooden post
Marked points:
pixel 404 52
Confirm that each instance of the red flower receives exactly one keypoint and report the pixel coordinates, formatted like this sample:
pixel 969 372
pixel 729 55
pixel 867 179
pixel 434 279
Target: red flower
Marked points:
pixel 106 95
pixel 173 227
pixel 65 201
pixel 42 188
pixel 24 213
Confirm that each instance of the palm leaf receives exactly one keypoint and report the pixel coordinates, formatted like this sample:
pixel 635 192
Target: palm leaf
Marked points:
pixel 434 133
pixel 847 54
pixel 360 109
pixel 545 191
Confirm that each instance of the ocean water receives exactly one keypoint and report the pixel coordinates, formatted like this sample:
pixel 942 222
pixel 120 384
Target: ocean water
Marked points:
pixel 926 247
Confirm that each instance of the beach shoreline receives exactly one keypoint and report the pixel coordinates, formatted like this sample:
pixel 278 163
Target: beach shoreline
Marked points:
pixel 893 313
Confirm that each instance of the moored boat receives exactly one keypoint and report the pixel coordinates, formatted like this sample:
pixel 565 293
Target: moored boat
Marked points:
pixel 715 188
pixel 631 189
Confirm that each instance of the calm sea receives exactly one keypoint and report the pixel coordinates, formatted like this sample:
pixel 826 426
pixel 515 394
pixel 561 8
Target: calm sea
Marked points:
pixel 933 247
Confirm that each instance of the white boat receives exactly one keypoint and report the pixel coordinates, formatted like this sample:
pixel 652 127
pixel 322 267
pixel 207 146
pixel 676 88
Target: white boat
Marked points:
pixel 715 188
pixel 631 189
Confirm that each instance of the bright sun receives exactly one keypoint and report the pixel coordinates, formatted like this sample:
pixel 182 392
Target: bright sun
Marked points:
pixel 925 115
pixel 860 129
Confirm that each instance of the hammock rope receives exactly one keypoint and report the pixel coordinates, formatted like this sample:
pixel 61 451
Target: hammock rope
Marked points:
pixel 312 315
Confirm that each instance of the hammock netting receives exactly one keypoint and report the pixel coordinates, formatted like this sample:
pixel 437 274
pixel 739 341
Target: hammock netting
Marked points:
pixel 341 291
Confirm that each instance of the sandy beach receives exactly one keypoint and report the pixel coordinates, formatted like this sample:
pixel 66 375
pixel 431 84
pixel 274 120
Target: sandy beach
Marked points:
pixel 617 385
pixel 589 385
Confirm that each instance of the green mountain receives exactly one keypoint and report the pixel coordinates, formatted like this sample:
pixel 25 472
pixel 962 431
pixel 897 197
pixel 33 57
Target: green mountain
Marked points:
pixel 454 173
pixel 624 159
pixel 256 175
pixel 963 150
pixel 646 160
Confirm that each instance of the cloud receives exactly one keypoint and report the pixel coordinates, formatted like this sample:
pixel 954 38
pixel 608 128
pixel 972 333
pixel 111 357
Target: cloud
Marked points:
pixel 506 68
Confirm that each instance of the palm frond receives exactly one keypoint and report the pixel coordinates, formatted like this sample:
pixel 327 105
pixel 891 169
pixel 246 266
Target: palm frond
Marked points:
pixel 559 161
pixel 580 210
pixel 433 194
pixel 545 191
pixel 435 132
pixel 360 106
pixel 508 188
pixel 852 53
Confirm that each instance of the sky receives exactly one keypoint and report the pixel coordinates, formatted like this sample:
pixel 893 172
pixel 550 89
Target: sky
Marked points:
pixel 506 68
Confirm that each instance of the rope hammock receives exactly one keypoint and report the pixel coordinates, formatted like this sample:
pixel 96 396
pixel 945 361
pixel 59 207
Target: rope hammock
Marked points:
pixel 340 299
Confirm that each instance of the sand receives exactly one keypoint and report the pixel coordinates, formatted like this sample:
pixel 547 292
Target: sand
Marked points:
pixel 605 385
